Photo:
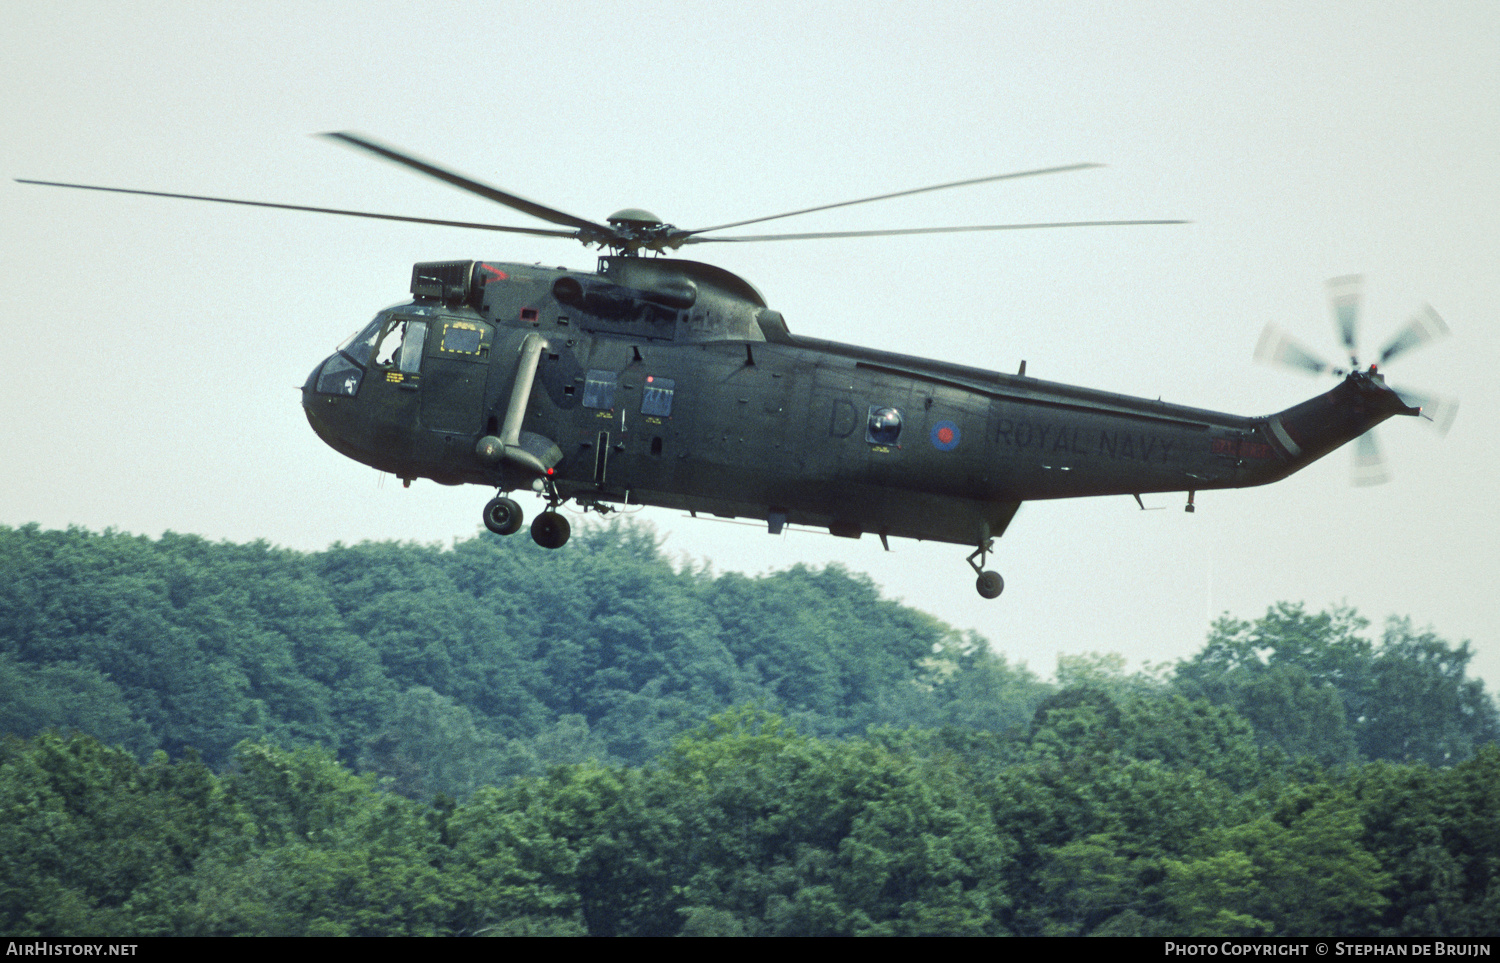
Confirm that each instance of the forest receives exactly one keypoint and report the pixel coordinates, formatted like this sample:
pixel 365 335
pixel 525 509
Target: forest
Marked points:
pixel 393 739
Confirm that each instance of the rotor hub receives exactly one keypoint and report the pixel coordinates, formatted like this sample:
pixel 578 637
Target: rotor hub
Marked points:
pixel 635 229
pixel 635 217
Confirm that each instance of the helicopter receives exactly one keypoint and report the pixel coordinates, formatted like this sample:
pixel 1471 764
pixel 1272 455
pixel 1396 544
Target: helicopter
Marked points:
pixel 666 382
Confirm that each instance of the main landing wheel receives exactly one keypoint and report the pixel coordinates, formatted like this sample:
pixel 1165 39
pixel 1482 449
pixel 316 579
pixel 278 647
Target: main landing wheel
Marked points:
pixel 990 584
pixel 503 516
pixel 550 530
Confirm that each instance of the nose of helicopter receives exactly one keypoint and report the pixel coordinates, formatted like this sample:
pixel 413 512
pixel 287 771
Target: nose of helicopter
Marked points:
pixel 309 398
pixel 311 382
pixel 320 408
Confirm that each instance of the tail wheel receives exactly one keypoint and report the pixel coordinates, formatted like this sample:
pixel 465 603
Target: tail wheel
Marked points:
pixel 503 516
pixel 989 584
pixel 550 530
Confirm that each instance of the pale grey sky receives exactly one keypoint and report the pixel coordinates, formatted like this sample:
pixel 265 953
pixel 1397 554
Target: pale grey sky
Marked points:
pixel 155 345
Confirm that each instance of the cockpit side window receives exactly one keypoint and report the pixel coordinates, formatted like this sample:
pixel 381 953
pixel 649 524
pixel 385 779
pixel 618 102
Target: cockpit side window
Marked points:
pixel 409 357
pixel 400 345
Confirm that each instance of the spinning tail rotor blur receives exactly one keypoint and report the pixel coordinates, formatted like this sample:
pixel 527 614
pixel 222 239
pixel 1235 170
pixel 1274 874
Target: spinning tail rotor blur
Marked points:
pixel 1279 348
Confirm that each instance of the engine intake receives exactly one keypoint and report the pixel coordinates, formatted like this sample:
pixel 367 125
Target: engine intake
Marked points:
pixel 451 282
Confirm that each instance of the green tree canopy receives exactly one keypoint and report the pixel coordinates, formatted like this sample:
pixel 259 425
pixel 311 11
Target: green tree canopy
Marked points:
pixel 1313 685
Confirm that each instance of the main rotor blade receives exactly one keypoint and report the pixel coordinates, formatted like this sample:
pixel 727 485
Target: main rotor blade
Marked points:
pixel 917 230
pixel 540 231
pixel 1277 347
pixel 1425 326
pixel 1344 292
pixel 1369 463
pixel 513 201
pixel 883 197
pixel 1436 409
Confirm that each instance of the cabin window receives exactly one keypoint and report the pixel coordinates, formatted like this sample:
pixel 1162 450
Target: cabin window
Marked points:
pixel 657 398
pixel 599 389
pixel 884 427
pixel 462 337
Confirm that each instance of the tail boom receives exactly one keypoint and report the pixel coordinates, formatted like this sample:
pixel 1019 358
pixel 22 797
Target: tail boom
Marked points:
pixel 1306 432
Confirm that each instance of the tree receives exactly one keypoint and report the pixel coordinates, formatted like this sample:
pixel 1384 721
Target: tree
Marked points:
pixel 1313 685
pixel 328 854
pixel 1299 870
pixel 94 843
pixel 1420 705
pixel 66 696
pixel 1436 832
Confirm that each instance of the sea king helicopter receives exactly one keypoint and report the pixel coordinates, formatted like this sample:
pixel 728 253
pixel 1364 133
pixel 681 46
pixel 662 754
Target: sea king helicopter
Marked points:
pixel 667 382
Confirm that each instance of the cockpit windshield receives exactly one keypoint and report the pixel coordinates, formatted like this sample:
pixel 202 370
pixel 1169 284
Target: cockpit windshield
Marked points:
pixel 358 345
pixel 388 342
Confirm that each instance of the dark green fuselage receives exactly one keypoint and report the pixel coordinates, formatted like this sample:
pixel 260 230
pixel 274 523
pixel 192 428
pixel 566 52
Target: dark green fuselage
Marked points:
pixel 669 383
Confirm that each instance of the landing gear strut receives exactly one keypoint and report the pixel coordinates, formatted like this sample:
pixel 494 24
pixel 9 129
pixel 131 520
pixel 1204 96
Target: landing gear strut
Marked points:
pixel 989 584
pixel 503 516
pixel 550 529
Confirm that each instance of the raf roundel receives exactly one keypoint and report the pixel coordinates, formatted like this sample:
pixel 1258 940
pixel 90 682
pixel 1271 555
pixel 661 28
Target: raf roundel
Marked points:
pixel 945 436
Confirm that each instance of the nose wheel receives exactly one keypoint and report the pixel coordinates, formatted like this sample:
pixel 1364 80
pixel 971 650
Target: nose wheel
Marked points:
pixel 989 584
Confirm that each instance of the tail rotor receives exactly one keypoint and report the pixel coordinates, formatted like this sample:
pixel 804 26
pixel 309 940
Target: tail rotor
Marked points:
pixel 1345 294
